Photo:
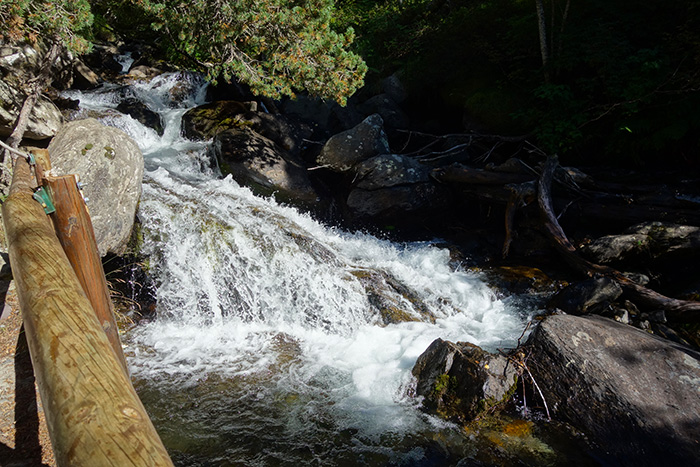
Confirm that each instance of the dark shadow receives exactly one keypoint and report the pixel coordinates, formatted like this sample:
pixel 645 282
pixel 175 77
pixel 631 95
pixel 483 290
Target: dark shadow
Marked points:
pixel 27 446
pixel 27 451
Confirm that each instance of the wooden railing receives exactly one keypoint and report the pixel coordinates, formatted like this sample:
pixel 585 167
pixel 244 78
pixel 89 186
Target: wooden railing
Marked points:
pixel 93 413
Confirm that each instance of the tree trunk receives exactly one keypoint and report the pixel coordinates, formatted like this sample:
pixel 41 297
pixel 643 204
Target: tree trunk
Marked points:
pixel 544 49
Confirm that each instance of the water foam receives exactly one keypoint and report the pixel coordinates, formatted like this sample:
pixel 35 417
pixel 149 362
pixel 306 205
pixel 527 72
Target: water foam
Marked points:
pixel 263 296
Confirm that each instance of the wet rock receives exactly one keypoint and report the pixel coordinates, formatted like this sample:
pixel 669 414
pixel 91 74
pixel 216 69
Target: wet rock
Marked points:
pixel 208 120
pixel 589 296
pixel 635 395
pixel 391 186
pixel 521 280
pixel 395 302
pixel 143 72
pixel 102 59
pixel 110 164
pixel 460 381
pixel 44 120
pixel 257 162
pixel 139 111
pixel 347 149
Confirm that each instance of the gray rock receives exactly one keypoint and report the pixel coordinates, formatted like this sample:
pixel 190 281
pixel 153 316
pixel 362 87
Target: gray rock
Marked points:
pixel 460 381
pixel 83 76
pixel 394 88
pixel 44 121
pixel 259 163
pixel 390 111
pixel 650 240
pixel 141 72
pixel 587 296
pixel 345 150
pixel 635 395
pixel 390 186
pixel 110 164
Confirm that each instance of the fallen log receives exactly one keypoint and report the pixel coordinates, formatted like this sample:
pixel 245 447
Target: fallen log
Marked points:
pixel 93 413
pixel 681 310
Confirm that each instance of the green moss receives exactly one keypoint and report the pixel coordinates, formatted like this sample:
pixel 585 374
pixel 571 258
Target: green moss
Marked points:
pixel 443 383
pixel 109 152
pixel 392 314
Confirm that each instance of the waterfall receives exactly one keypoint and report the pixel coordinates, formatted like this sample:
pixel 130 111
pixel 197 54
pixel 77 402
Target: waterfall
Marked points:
pixel 271 330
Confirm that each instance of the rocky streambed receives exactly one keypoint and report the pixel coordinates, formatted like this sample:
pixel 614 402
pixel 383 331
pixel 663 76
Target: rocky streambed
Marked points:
pixel 621 374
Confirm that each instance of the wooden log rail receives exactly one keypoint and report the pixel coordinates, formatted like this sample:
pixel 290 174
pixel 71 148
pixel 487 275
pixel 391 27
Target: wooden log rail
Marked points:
pixel 93 413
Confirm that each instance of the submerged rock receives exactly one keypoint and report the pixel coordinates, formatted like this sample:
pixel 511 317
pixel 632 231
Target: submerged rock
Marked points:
pixel 460 381
pixel 139 111
pixel 635 395
pixel 110 164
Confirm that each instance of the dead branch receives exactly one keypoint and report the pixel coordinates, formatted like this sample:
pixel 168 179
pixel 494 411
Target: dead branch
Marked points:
pixel 681 310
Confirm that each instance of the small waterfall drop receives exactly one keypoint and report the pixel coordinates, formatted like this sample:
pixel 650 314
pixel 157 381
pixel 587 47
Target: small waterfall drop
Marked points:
pixel 272 332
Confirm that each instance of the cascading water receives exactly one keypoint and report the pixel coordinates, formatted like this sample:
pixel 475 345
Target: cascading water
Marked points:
pixel 270 346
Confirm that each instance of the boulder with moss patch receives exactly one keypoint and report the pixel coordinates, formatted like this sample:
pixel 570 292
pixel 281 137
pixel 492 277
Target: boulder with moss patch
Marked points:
pixel 460 381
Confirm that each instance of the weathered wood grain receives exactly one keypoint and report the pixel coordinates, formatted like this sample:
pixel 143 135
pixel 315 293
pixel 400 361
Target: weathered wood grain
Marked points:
pixel 95 417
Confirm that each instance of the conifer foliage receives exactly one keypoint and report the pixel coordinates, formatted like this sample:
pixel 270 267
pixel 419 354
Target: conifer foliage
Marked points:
pixel 276 46
pixel 63 21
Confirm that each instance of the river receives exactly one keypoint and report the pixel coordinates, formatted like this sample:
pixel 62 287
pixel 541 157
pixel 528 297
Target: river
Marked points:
pixel 267 348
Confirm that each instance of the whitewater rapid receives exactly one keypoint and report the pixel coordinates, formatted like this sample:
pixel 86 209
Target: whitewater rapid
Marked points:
pixel 265 297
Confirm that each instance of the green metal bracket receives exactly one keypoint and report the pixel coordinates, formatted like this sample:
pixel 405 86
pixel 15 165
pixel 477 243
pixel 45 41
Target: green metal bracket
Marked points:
pixel 42 196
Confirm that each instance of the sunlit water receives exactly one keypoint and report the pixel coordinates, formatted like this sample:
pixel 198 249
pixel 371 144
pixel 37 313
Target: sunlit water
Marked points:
pixel 267 348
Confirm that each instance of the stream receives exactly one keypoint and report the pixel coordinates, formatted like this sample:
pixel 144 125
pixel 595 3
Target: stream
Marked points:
pixel 268 346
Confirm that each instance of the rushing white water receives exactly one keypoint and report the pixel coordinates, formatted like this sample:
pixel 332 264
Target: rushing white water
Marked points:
pixel 262 296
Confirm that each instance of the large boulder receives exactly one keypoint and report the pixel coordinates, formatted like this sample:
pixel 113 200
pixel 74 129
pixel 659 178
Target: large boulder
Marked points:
pixel 344 151
pixel 459 381
pixel 390 186
pixel 206 121
pixel 257 162
pixel 110 164
pixel 44 120
pixel 635 395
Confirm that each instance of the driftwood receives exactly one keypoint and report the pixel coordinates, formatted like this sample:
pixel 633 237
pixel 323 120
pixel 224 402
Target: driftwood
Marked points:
pixel 94 416
pixel 681 310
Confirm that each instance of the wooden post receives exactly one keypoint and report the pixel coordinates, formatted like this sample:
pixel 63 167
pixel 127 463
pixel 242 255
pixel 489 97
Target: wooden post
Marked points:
pixel 74 230
pixel 93 413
